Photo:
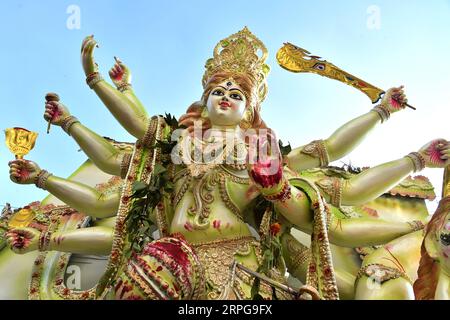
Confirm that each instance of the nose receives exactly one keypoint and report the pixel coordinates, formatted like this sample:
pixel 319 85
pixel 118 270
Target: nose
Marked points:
pixel 224 98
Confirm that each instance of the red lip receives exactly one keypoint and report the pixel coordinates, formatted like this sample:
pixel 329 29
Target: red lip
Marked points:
pixel 225 104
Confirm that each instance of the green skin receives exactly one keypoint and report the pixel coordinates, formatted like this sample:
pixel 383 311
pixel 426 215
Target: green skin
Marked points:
pixel 130 113
pixel 405 253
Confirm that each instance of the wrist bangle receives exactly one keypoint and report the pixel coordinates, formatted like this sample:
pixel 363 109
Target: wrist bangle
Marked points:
pixel 93 78
pixel 44 241
pixel 383 112
pixel 418 161
pixel 317 149
pixel 124 87
pixel 282 195
pixel 41 179
pixel 416 225
pixel 68 122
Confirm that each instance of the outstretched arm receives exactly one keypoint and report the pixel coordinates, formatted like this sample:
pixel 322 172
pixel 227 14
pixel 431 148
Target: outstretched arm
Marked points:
pixel 79 196
pixel 294 204
pixel 347 137
pixel 104 155
pixel 124 106
pixel 94 240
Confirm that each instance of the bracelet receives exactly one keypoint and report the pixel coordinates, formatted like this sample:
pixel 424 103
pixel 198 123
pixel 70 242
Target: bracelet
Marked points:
pixel 332 186
pixel 124 165
pixel 418 161
pixel 44 241
pixel 41 179
pixel 282 195
pixel 383 112
pixel 317 149
pixel 416 225
pixel 124 87
pixel 93 78
pixel 68 122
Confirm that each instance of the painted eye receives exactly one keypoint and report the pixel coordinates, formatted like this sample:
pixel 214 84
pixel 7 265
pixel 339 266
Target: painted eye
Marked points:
pixel 218 92
pixel 445 239
pixel 236 96
pixel 319 66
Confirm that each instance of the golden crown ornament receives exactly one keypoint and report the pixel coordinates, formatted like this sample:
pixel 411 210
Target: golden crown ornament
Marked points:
pixel 241 53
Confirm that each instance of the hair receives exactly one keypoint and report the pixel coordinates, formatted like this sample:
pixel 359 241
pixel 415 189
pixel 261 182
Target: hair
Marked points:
pixel 428 272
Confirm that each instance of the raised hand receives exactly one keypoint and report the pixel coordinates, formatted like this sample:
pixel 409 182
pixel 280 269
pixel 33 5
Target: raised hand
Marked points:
pixel 87 55
pixel 55 112
pixel 394 99
pixel 23 240
pixel 120 74
pixel 436 153
pixel 23 171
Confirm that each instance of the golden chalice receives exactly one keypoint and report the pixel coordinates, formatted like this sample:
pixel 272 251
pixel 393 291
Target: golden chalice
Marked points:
pixel 20 141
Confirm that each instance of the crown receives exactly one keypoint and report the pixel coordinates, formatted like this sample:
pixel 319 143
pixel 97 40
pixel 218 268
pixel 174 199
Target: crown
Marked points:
pixel 241 53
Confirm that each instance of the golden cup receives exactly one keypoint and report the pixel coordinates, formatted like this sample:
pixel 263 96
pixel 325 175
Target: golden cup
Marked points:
pixel 20 141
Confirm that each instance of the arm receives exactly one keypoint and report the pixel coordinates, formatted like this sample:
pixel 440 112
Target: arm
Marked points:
pixel 347 137
pixel 94 240
pixel 295 206
pixel 125 107
pixel 104 155
pixel 79 196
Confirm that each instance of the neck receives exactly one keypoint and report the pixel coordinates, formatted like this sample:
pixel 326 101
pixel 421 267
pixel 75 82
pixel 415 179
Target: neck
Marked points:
pixel 224 127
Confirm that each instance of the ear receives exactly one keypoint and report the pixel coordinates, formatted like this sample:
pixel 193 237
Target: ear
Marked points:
pixel 431 246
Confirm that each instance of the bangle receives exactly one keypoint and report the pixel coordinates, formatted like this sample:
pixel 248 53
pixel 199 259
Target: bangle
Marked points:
pixel 416 225
pixel 282 195
pixel 41 179
pixel 68 122
pixel 383 112
pixel 124 87
pixel 124 165
pixel 317 149
pixel 93 78
pixel 44 241
pixel 332 186
pixel 418 161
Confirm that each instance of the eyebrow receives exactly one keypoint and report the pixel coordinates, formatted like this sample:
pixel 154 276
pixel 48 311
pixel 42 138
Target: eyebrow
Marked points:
pixel 232 89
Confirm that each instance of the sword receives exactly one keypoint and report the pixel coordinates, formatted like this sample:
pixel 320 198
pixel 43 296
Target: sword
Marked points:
pixel 299 60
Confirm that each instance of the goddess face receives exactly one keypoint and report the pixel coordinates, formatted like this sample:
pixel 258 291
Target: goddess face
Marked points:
pixel 226 104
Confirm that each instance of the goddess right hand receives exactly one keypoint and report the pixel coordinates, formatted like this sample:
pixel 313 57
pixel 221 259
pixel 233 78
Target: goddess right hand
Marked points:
pixel 87 55
pixel 55 112
pixel 23 171
pixel 22 240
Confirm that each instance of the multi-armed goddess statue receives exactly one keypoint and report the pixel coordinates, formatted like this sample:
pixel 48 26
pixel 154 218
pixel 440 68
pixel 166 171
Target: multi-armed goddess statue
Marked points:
pixel 210 206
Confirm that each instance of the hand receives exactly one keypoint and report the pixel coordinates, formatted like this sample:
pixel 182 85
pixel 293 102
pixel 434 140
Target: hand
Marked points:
pixel 23 171
pixel 264 161
pixel 120 74
pixel 23 240
pixel 55 112
pixel 436 153
pixel 394 99
pixel 87 55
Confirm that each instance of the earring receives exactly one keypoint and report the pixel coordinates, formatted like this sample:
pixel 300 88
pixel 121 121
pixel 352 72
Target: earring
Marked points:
pixel 247 119
pixel 205 112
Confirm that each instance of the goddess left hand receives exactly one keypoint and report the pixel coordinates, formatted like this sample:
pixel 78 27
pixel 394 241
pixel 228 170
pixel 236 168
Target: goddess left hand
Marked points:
pixel 395 99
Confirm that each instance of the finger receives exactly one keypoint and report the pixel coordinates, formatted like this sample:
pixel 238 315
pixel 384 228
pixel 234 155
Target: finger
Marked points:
pixel 111 74
pixel 91 47
pixel 85 40
pixel 85 49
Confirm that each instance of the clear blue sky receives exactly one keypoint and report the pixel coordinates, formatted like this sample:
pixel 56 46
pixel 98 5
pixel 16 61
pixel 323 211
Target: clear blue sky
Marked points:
pixel 165 43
